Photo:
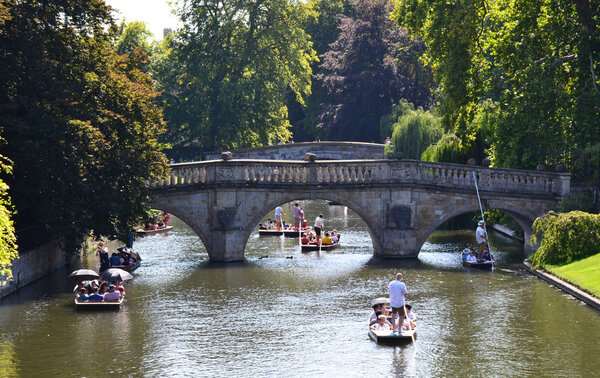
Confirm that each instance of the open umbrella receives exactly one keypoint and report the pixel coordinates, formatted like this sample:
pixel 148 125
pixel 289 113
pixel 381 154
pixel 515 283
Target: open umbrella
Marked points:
pixel 115 274
pixel 381 300
pixel 84 275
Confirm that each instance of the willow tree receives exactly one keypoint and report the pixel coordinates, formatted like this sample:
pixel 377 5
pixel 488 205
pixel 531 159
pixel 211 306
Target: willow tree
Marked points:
pixel 233 62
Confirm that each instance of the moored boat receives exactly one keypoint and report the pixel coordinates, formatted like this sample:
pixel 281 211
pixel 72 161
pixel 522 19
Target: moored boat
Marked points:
pixel 288 232
pixel 142 231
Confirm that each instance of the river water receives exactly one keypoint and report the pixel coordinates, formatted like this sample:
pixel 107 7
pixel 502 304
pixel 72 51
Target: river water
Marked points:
pixel 298 314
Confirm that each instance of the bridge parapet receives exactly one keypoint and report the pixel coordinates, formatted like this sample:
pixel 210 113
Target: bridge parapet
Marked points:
pixel 344 173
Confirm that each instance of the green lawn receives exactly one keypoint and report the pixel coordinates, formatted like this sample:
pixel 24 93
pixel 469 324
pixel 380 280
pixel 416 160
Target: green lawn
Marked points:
pixel 584 273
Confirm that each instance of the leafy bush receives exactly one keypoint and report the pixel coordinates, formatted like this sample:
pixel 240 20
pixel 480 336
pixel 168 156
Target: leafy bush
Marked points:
pixel 415 131
pixel 8 240
pixel 387 121
pixel 565 237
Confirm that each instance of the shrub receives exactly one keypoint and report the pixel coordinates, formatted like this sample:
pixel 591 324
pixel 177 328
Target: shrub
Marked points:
pixel 565 237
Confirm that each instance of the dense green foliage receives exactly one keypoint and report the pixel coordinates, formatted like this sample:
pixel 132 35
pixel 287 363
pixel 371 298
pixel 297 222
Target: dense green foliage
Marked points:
pixel 371 66
pixel 80 121
pixel 532 66
pixel 8 240
pixel 134 35
pixel 228 72
pixel 565 237
pixel 415 131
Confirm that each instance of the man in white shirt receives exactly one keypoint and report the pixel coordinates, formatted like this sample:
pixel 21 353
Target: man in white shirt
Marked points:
pixel 319 225
pixel 481 237
pixel 278 214
pixel 397 291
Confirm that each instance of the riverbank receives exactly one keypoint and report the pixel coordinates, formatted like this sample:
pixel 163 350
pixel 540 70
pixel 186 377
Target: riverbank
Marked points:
pixel 581 278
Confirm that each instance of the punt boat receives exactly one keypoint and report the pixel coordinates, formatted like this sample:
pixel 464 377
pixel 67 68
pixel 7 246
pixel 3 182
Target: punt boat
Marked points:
pixel 480 264
pixel 142 231
pixel 99 305
pixel 324 247
pixel 389 337
pixel 289 232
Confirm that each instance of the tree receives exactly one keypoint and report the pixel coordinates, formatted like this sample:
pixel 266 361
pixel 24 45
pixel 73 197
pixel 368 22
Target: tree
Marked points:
pixel 80 121
pixel 414 131
pixel 371 66
pixel 532 62
pixel 233 64
pixel 134 35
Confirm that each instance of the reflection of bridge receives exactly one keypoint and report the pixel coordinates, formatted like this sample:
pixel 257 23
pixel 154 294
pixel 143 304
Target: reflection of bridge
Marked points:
pixel 401 201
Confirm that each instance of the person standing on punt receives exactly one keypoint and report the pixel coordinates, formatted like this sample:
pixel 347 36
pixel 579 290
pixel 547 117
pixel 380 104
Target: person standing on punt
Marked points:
pixel 319 225
pixel 397 290
pixel 481 238
pixel 278 214
pixel 296 208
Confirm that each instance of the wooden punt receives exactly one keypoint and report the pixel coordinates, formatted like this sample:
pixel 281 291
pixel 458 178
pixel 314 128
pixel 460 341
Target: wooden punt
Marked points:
pixel 315 247
pixel 389 337
pixel 99 305
pixel 129 268
pixel 270 232
pixel 141 231
pixel 483 265
pixel 288 232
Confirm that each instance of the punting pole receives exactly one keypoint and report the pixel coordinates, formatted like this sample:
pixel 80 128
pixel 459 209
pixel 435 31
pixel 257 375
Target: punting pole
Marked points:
pixel 483 219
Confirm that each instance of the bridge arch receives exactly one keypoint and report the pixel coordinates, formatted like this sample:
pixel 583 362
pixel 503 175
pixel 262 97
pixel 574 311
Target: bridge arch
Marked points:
pixel 520 215
pixel 291 197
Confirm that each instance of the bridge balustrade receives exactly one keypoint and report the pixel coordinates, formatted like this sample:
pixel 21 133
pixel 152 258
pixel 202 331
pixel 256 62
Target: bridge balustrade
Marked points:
pixel 364 172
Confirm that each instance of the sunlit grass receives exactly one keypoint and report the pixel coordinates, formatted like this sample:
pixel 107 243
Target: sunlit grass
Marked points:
pixel 584 273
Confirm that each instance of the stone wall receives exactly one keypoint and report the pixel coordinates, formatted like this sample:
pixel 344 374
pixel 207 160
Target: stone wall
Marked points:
pixel 296 151
pixel 33 265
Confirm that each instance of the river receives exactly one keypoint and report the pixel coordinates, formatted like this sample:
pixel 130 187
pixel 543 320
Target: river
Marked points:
pixel 298 314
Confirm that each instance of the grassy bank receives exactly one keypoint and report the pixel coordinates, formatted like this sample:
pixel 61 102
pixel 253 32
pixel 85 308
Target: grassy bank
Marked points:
pixel 584 273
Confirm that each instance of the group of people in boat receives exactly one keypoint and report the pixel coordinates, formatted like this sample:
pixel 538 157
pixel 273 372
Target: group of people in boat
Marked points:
pixel 483 250
pixel 162 222
pixel 310 237
pixel 399 317
pixel 116 259
pixel 99 291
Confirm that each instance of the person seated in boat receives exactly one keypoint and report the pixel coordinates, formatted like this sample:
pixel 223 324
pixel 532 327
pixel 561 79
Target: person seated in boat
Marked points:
pixel 103 288
pixel 83 295
pixel 410 320
pixel 112 294
pixel 78 288
pixel 305 239
pixel 115 260
pixel 95 296
pixel 465 252
pixel 486 254
pixel 312 237
pixel 382 324
pixel 373 318
pixel 269 224
pixel 119 286
pixel 261 226
pixel 327 239
pixel 471 257
pixel 335 236
pixel 149 226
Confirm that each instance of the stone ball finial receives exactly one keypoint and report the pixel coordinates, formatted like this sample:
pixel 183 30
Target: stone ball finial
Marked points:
pixel 389 155
pixel 226 155
pixel 399 155
pixel 541 167
pixel 471 161
pixel 310 157
pixel 486 162
pixel 560 168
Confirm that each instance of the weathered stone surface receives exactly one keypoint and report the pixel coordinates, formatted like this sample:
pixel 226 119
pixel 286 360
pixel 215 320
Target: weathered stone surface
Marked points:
pixel 402 202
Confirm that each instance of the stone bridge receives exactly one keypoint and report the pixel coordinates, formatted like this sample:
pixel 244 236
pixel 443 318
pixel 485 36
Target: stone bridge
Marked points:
pixel 401 201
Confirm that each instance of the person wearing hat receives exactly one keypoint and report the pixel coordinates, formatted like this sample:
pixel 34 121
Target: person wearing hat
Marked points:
pixel 481 237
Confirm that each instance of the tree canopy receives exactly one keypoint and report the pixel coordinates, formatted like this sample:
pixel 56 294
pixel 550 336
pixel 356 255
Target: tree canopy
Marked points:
pixel 229 70
pixel 530 64
pixel 80 121
pixel 372 65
